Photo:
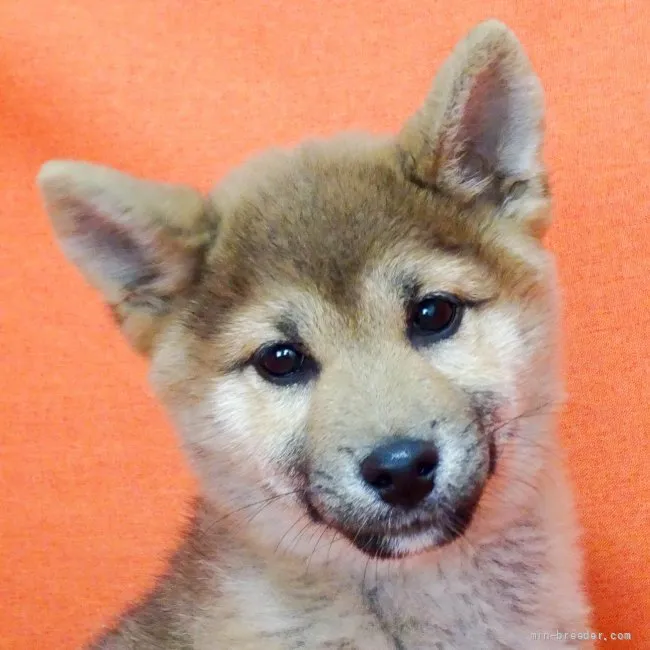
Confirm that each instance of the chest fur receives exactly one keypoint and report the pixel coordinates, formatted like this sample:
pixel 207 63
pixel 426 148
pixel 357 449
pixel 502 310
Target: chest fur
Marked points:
pixel 494 599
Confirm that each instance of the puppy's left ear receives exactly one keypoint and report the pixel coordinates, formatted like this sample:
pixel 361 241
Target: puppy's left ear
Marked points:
pixel 478 135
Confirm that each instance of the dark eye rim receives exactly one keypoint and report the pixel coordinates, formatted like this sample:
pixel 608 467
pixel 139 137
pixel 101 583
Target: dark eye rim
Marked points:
pixel 426 337
pixel 302 373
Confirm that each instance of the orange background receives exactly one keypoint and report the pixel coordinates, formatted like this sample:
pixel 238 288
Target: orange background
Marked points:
pixel 92 485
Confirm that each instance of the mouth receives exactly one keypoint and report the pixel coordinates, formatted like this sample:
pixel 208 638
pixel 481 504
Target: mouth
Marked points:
pixel 399 534
pixel 397 541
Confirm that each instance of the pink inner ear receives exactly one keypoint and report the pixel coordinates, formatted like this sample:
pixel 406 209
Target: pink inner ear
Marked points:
pixel 484 123
pixel 108 250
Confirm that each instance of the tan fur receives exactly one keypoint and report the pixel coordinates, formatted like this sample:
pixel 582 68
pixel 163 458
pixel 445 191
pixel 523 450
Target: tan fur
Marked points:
pixel 319 245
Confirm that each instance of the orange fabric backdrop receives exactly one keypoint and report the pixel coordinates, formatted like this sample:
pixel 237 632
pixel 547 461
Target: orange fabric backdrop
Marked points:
pixel 92 484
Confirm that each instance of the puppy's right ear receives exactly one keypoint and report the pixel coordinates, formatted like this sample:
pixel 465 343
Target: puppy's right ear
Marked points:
pixel 140 243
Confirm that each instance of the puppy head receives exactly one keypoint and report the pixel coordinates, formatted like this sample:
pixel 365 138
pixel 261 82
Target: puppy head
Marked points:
pixel 356 331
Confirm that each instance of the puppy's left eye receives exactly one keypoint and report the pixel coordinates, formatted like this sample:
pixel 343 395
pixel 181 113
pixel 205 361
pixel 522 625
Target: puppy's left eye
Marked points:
pixel 435 318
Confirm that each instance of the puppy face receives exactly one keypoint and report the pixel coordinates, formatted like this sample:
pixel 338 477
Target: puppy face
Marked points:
pixel 361 341
pixel 358 333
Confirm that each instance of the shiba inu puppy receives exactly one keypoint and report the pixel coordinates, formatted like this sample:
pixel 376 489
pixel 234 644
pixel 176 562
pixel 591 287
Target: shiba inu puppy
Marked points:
pixel 357 342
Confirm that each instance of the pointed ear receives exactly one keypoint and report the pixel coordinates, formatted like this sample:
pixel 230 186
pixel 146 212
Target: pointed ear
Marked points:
pixel 140 243
pixel 479 133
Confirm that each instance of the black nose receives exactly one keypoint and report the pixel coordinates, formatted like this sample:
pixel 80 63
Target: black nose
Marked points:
pixel 402 472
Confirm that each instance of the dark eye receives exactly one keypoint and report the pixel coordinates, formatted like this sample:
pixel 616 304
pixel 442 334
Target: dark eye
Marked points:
pixel 435 318
pixel 282 363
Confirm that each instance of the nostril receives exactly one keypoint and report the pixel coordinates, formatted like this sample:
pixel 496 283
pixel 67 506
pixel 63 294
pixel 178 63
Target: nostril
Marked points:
pixel 426 463
pixel 375 474
pixel 382 481
pixel 425 468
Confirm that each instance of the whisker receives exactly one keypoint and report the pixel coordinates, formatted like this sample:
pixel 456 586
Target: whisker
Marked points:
pixel 365 569
pixel 295 523
pixel 535 411
pixel 266 501
pixel 300 532
pixel 315 547
pixel 329 549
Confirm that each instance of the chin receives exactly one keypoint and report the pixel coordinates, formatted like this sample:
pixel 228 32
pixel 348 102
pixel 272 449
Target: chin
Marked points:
pixel 394 547
pixel 415 538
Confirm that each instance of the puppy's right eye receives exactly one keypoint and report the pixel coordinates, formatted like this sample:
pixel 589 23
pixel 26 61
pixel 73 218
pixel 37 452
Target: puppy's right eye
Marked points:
pixel 283 363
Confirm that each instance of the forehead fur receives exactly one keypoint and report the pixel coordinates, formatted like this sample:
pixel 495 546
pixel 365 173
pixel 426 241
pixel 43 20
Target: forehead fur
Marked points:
pixel 319 218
